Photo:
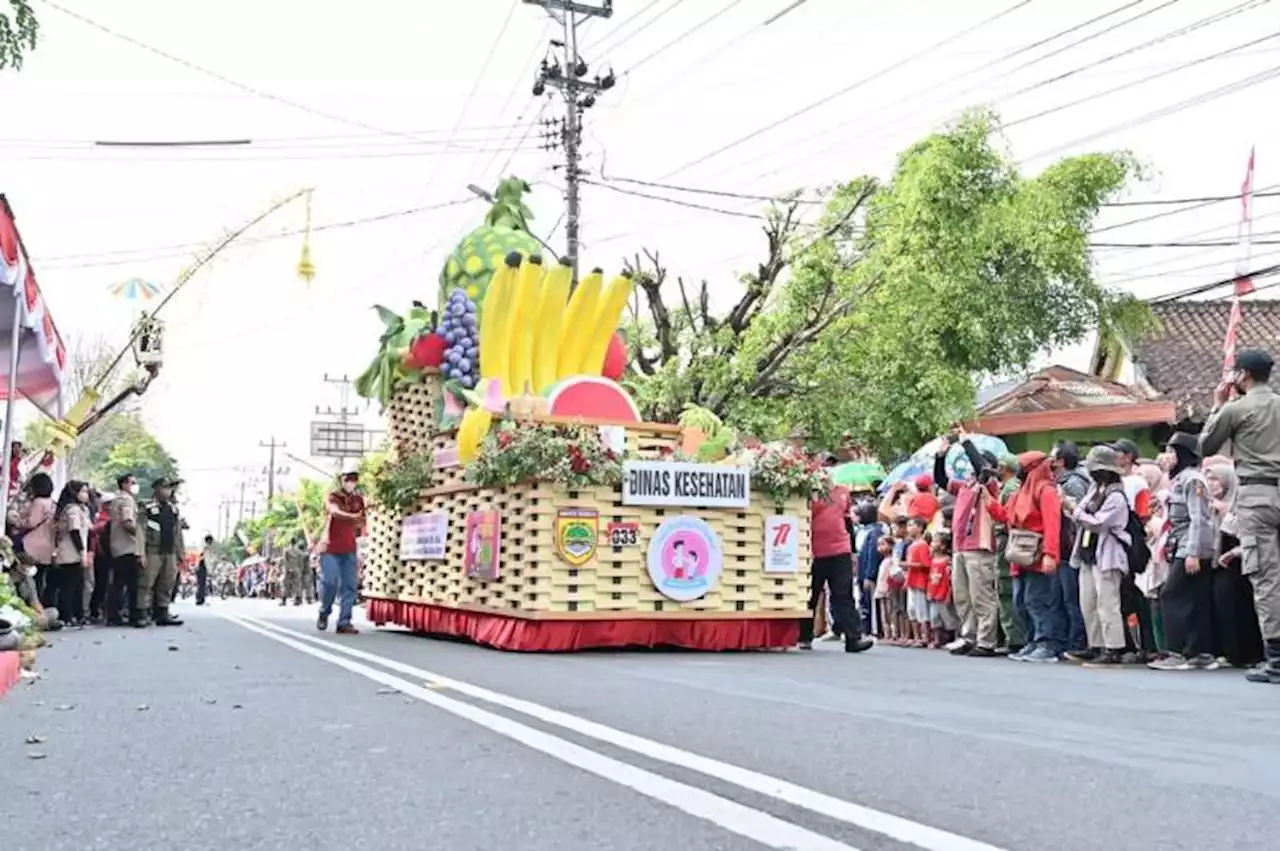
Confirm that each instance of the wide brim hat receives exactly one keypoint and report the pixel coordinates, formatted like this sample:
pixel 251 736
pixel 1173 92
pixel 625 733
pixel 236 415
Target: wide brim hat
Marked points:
pixel 1103 459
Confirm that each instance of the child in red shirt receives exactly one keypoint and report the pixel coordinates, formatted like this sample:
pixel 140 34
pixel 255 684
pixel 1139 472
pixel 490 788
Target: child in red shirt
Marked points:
pixel 918 563
pixel 942 614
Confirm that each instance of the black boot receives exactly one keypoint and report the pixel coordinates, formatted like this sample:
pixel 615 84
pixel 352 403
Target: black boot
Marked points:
pixel 1268 671
pixel 137 619
pixel 163 618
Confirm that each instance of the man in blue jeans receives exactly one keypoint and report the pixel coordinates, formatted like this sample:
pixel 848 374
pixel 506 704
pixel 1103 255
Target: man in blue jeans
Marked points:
pixel 345 510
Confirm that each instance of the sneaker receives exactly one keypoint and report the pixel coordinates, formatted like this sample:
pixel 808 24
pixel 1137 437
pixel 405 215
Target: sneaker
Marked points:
pixel 1105 659
pixel 831 636
pixel 1205 662
pixel 1263 673
pixel 1021 655
pixel 322 623
pixel 981 653
pixel 805 645
pixel 346 629
pixel 859 646
pixel 956 644
pixel 1041 655
pixel 1172 662
pixel 1079 657
pixel 963 648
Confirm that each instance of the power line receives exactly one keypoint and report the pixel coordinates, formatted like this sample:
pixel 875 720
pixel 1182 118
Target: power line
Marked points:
pixel 1141 81
pixel 1201 23
pixel 676 201
pixel 149 158
pixel 845 90
pixel 596 47
pixel 653 184
pixel 1172 109
pixel 693 29
pixel 223 78
pixel 181 249
pixel 1265 271
pixel 1220 244
pixel 908 100
pixel 1199 203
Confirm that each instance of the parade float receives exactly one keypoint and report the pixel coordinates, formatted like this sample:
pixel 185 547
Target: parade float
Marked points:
pixel 523 503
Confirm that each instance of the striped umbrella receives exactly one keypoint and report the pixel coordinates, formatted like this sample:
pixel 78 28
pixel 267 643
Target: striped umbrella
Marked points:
pixel 134 289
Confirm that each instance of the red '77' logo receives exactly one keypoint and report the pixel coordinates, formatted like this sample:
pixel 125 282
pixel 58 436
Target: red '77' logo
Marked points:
pixel 780 534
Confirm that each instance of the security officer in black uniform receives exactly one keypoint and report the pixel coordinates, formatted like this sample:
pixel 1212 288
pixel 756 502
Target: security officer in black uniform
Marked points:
pixel 1246 413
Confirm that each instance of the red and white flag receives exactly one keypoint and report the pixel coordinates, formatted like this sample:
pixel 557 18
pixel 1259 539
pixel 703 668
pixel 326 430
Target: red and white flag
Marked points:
pixel 1244 283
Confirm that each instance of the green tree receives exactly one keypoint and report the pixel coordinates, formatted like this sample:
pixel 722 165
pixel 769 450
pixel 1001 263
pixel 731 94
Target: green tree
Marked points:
pixel 19 32
pixel 880 320
pixel 135 451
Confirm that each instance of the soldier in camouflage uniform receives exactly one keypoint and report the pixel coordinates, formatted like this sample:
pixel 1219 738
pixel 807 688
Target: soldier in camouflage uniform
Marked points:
pixel 296 568
pixel 1186 599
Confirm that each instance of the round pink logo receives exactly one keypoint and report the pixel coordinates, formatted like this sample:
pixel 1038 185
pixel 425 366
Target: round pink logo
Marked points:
pixel 685 558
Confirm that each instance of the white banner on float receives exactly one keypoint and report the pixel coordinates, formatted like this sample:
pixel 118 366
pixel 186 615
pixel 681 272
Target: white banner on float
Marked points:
pixel 667 483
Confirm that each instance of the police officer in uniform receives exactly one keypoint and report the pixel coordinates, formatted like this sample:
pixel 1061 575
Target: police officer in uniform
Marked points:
pixel 1246 413
pixel 163 550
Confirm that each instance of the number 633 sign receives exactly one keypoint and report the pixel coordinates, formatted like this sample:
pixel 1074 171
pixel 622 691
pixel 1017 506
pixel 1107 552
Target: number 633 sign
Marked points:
pixel 623 534
pixel 781 544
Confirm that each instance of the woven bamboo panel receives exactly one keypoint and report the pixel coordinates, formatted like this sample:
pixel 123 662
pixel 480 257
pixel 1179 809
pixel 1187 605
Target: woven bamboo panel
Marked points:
pixel 525 581
pixel 534 579
pixel 617 578
pixel 383 568
pixel 411 416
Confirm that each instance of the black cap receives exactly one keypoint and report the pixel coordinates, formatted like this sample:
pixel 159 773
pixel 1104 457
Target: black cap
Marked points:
pixel 1254 361
pixel 165 482
pixel 1187 441
pixel 1125 446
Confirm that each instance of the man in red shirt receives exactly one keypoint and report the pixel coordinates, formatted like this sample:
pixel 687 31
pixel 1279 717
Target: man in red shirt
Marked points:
pixel 338 569
pixel 832 544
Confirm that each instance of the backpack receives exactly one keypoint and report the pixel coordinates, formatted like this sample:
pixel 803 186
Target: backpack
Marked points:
pixel 1138 551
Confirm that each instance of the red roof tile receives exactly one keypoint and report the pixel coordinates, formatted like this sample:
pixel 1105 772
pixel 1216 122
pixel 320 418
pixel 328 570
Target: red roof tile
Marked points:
pixel 1181 357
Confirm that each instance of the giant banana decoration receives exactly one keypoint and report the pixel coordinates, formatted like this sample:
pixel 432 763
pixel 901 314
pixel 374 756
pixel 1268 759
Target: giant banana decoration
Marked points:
pixel 495 322
pixel 524 324
pixel 577 324
pixel 551 311
pixel 612 303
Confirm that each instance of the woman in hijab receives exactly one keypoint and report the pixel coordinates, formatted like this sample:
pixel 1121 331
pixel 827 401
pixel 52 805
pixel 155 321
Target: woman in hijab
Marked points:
pixel 1033 517
pixel 1235 622
pixel 1187 598
pixel 1101 557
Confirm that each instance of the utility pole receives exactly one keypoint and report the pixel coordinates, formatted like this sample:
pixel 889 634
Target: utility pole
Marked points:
pixel 579 94
pixel 271 465
pixel 344 413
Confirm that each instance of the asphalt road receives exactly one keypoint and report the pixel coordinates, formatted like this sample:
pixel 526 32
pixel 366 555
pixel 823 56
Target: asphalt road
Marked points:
pixel 247 730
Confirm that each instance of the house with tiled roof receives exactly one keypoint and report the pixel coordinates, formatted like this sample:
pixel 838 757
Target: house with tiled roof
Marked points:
pixel 1180 357
pixel 1060 403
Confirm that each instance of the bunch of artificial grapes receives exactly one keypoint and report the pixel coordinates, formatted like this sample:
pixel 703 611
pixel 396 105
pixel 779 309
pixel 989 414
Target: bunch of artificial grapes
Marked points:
pixel 459 329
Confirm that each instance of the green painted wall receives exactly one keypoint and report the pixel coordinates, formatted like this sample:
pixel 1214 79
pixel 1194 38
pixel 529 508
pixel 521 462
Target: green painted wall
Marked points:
pixel 1084 438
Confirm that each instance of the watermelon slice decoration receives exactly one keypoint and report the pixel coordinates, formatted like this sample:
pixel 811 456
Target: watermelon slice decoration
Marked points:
pixel 592 397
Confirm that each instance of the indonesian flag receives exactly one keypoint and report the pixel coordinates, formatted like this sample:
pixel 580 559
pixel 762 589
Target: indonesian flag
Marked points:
pixel 1244 283
pixel 1229 343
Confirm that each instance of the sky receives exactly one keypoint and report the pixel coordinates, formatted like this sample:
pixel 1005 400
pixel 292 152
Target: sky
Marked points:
pixel 400 105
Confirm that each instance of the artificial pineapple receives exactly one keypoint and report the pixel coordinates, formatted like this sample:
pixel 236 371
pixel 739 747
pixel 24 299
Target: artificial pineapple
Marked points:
pixel 482 252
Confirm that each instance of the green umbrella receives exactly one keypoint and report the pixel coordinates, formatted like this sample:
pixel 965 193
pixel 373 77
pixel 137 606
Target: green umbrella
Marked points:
pixel 858 474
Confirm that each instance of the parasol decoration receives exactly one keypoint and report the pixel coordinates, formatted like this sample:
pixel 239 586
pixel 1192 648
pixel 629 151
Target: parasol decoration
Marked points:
pixel 134 289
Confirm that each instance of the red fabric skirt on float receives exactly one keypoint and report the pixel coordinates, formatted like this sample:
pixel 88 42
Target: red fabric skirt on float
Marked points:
pixel 543 636
pixel 10 670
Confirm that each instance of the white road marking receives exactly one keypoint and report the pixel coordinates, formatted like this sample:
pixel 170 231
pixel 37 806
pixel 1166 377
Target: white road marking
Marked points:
pixel 894 827
pixel 753 824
